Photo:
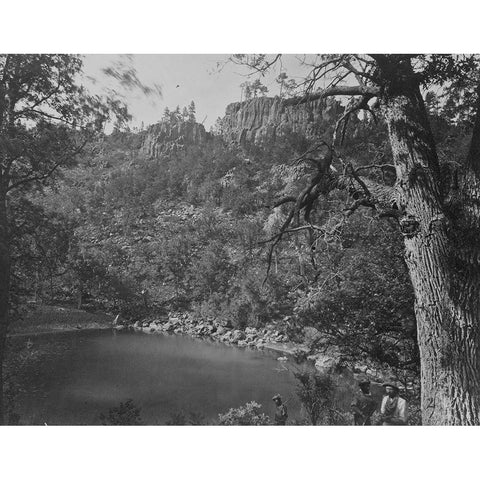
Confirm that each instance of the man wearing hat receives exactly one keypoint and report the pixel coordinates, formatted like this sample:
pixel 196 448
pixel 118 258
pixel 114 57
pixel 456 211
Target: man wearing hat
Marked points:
pixel 281 414
pixel 363 405
pixel 394 408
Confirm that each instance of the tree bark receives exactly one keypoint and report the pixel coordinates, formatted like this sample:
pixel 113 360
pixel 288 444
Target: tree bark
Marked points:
pixel 4 292
pixel 442 256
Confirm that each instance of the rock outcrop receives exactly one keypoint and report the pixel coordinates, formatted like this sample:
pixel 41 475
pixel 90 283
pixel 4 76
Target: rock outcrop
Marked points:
pixel 253 121
pixel 265 119
pixel 165 137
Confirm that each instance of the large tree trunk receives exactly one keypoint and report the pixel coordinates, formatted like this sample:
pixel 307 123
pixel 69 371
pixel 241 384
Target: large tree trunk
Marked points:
pixel 442 257
pixel 4 293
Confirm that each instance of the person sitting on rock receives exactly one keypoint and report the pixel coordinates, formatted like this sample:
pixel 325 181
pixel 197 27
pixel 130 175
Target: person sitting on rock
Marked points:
pixel 363 404
pixel 394 408
pixel 281 414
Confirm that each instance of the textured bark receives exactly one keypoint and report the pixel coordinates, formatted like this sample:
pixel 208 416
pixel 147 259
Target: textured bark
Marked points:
pixel 442 256
pixel 4 293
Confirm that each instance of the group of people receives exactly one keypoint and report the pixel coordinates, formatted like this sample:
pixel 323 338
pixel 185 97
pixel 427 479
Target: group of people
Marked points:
pixel 393 409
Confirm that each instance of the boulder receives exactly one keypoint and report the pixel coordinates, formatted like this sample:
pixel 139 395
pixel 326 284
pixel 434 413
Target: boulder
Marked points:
pixel 227 337
pixel 238 335
pixel 169 327
pixel 326 364
pixel 310 335
pixel 251 331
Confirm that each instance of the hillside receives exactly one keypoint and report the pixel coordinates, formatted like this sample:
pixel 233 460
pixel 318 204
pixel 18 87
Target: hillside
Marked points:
pixel 173 220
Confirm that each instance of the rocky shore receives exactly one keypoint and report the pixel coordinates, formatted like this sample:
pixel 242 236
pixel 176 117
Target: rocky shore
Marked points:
pixel 270 337
pixel 220 331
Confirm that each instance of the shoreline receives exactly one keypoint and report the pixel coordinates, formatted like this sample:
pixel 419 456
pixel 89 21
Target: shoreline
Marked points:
pixel 45 319
pixel 57 330
pixel 268 337
pixel 55 319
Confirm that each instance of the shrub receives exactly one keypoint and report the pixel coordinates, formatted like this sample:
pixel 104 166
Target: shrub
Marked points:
pixel 182 418
pixel 125 414
pixel 316 392
pixel 248 414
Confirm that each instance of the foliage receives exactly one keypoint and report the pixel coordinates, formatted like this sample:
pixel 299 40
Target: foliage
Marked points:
pixel 362 301
pixel 316 392
pixel 248 414
pixel 253 89
pixel 191 240
pixel 127 413
pixel 183 418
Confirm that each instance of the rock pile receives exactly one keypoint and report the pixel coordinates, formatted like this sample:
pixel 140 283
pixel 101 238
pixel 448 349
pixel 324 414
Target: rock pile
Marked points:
pixel 269 337
pixel 215 330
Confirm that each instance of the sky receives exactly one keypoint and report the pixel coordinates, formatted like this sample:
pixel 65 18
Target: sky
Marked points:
pixel 185 77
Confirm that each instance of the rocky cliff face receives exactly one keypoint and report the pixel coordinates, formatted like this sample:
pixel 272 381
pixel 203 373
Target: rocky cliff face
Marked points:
pixel 254 121
pixel 165 137
pixel 265 118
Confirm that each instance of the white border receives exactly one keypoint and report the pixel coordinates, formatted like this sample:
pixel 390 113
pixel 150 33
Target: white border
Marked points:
pixel 214 26
pixel 222 26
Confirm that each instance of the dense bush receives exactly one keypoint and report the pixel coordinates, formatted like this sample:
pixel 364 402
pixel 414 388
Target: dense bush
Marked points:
pixel 125 414
pixel 248 414
pixel 316 392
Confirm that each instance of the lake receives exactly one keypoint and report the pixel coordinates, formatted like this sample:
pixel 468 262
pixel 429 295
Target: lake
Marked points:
pixel 73 377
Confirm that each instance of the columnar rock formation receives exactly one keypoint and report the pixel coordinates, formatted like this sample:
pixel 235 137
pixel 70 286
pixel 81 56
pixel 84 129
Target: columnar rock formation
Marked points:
pixel 265 118
pixel 253 121
pixel 164 137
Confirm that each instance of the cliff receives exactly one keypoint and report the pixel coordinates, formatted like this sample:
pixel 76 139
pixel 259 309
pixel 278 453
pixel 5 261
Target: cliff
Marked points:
pixel 166 136
pixel 266 118
pixel 253 121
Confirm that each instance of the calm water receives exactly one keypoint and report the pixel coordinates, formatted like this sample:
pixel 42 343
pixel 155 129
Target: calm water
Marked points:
pixel 79 375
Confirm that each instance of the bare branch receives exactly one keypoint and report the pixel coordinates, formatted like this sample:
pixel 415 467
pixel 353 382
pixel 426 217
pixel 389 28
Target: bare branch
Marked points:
pixel 29 178
pixel 32 108
pixel 303 156
pixel 374 165
pixel 338 90
pixel 258 67
pixel 283 201
pixel 34 178
pixel 360 104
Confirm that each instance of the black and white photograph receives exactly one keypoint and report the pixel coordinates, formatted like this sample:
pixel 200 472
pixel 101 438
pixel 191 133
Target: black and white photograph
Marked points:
pixel 268 240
